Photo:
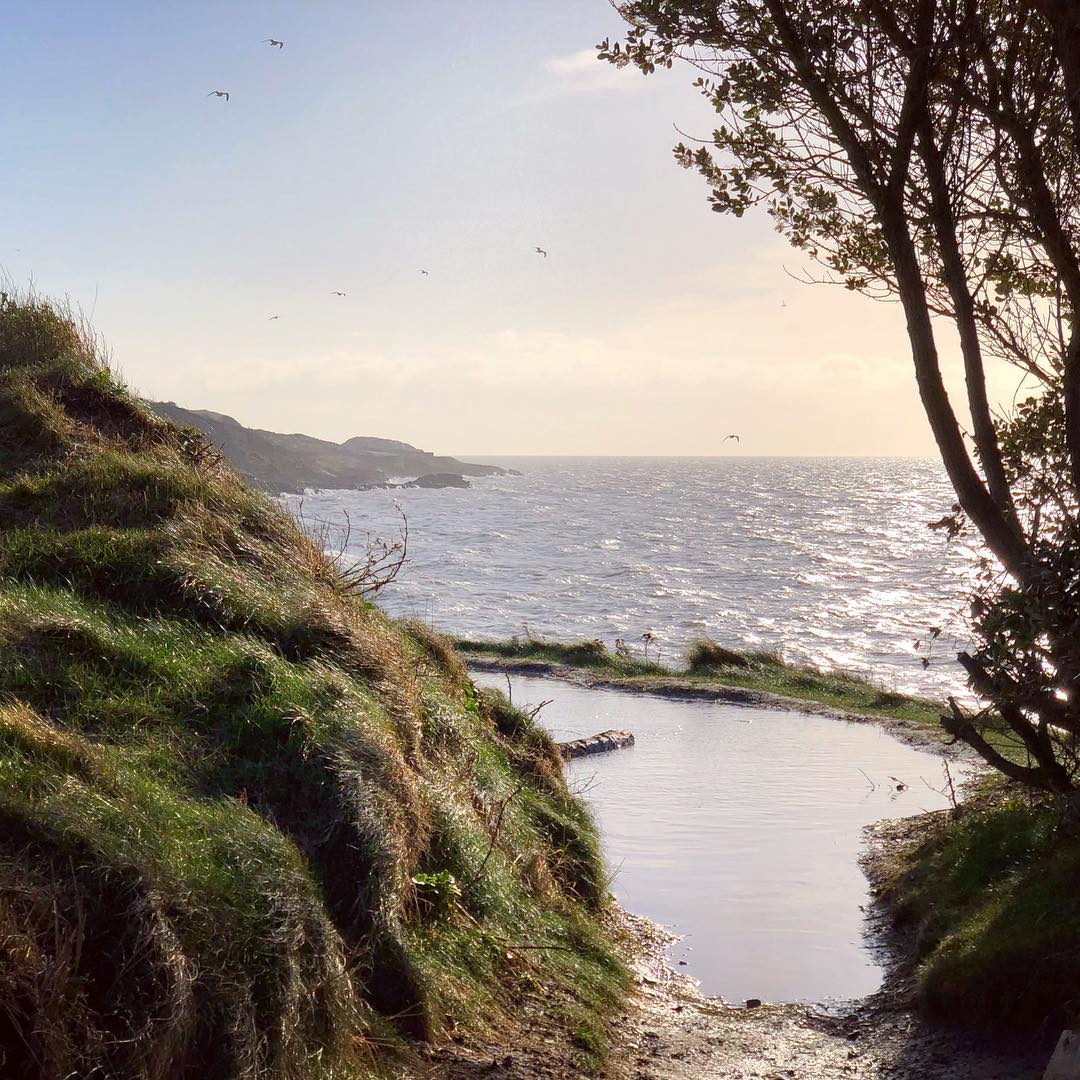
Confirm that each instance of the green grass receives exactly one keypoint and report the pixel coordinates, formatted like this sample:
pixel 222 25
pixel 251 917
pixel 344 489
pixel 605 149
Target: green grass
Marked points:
pixel 225 778
pixel 709 664
pixel 992 898
pixel 589 655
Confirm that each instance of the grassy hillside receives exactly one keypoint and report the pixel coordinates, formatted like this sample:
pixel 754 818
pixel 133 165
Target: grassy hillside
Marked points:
pixel 251 827
pixel 991 897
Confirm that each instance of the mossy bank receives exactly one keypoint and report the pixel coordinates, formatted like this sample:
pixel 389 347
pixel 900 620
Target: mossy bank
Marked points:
pixel 714 672
pixel 251 826
pixel 987 899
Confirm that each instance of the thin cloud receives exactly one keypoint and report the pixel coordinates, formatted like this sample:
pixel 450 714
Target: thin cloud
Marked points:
pixel 574 63
pixel 581 73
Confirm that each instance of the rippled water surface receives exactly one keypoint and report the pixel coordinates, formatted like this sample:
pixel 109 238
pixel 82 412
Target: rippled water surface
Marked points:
pixel 741 829
pixel 828 559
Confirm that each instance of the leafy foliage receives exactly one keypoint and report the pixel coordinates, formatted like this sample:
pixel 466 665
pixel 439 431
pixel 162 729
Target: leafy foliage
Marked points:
pixel 928 151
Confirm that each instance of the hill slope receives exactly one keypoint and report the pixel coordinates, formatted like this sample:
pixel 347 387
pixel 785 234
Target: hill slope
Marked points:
pixel 251 827
pixel 291 463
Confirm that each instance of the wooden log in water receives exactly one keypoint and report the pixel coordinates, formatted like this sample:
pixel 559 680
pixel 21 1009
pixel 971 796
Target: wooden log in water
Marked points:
pixel 597 744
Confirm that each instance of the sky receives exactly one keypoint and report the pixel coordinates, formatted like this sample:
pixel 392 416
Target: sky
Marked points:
pixel 388 138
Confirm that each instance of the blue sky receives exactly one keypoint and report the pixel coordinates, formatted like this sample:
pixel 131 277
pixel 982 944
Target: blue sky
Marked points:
pixel 389 137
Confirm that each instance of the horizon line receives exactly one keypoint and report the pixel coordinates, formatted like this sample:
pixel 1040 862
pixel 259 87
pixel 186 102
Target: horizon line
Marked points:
pixel 462 455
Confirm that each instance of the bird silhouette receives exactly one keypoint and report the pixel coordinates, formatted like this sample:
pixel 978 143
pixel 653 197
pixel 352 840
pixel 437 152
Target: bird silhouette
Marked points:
pixel 219 93
pixel 541 251
pixel 426 273
pixel 334 292
pixel 735 437
pixel 274 43
pixel 271 318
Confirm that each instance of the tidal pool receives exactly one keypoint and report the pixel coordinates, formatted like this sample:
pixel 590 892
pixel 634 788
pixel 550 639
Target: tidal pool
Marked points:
pixel 740 829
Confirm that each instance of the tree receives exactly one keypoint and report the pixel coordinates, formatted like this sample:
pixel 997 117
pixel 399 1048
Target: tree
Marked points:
pixel 926 151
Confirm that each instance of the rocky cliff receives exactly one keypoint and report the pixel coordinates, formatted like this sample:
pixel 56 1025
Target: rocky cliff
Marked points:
pixel 292 463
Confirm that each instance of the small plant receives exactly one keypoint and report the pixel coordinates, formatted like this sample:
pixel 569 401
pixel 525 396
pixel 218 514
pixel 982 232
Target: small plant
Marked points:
pixel 588 650
pixel 198 449
pixel 437 893
pixel 622 650
pixel 647 641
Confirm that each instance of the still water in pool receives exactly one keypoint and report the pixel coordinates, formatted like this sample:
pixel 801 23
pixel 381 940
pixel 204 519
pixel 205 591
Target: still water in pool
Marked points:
pixel 740 829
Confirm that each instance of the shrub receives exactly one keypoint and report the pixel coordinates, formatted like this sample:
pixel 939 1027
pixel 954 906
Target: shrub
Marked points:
pixel 704 655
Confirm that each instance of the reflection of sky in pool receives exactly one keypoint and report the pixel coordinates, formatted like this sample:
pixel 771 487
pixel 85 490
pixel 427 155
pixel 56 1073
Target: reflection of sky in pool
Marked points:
pixel 741 829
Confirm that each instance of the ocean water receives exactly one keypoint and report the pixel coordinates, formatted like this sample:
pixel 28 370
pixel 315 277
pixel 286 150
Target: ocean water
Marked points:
pixel 828 560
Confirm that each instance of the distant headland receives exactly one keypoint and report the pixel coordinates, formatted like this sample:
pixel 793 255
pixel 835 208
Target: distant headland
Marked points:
pixel 290 464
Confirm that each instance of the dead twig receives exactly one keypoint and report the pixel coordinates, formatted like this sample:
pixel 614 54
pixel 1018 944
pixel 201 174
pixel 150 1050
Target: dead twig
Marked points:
pixel 495 832
pixel 380 563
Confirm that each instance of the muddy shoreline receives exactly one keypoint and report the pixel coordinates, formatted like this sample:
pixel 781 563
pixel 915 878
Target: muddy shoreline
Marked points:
pixel 678 1034
pixel 673 1032
pixel 907 731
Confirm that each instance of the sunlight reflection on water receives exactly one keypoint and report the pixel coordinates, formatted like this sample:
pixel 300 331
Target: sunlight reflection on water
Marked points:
pixel 828 559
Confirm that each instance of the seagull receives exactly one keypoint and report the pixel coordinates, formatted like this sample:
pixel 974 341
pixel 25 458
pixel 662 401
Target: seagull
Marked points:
pixel 271 318
pixel 735 437
pixel 219 93
pixel 426 273
pixel 274 43
pixel 541 251
pixel 334 292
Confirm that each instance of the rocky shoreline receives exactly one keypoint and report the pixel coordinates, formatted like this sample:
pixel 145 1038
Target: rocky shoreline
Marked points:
pixel 294 463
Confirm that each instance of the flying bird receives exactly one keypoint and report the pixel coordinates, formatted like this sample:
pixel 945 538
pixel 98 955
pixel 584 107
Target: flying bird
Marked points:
pixel 274 43
pixel 541 251
pixel 219 93
pixel 735 437
pixel 426 273
pixel 271 318
pixel 334 292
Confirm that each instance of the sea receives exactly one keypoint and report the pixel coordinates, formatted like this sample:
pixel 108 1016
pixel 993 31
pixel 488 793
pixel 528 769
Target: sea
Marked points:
pixel 829 561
